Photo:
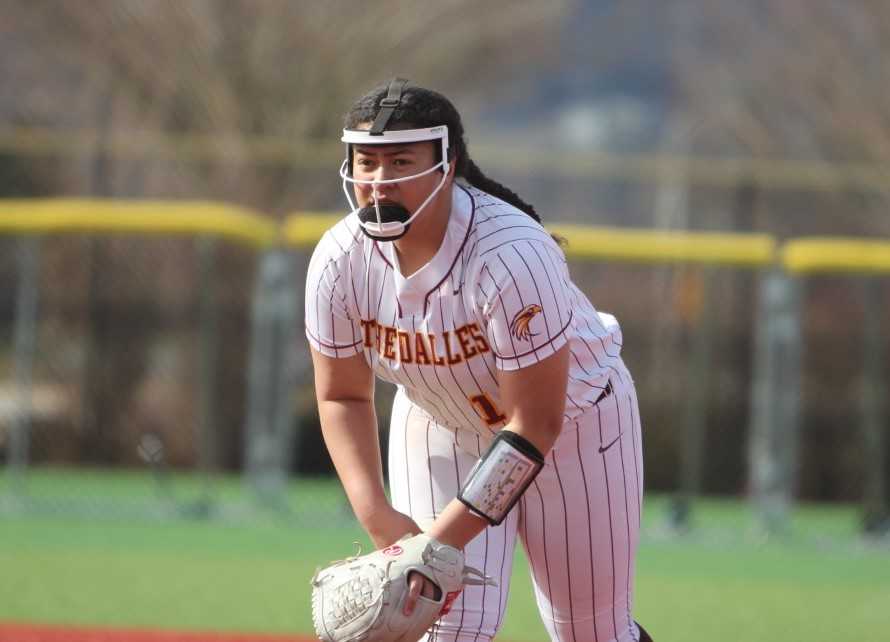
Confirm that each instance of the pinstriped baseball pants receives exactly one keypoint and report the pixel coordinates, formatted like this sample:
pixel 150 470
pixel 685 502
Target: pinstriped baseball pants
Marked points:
pixel 579 521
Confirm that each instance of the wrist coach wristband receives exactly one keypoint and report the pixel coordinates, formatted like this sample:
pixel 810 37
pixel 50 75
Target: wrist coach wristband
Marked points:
pixel 501 476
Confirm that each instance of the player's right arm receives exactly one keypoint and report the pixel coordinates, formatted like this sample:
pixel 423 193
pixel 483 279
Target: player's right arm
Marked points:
pixel 344 389
pixel 344 385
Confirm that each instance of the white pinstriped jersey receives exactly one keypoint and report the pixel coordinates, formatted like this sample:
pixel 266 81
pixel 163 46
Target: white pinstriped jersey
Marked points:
pixel 497 295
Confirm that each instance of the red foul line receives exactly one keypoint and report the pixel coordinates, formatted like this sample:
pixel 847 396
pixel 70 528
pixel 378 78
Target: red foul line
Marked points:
pixel 20 632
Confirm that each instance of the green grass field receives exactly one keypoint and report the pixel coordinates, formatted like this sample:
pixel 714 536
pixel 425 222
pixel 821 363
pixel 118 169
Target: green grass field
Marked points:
pixel 244 571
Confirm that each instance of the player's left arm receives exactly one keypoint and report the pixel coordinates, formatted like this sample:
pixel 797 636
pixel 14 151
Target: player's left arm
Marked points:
pixel 527 318
pixel 529 340
pixel 534 400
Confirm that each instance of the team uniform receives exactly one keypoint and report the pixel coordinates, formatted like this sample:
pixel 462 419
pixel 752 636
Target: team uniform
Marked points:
pixel 496 296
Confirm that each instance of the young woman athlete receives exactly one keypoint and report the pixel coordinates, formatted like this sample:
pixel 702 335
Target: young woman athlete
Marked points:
pixel 514 416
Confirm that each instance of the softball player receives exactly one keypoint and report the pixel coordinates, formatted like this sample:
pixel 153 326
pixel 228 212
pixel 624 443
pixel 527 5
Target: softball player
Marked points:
pixel 514 416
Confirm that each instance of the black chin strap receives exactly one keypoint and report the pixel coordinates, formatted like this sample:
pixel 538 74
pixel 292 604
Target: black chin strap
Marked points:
pixel 388 105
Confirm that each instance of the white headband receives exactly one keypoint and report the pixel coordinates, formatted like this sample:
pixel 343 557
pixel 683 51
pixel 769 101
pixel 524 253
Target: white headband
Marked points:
pixel 391 137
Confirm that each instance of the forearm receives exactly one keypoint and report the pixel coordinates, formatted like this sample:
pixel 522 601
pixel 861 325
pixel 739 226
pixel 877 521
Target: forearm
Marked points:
pixel 457 524
pixel 349 428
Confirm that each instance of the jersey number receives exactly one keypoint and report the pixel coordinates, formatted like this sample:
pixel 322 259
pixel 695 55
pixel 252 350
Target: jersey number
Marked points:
pixel 487 410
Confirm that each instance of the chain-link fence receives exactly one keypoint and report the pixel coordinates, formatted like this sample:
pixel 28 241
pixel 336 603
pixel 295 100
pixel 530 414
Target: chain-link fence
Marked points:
pixel 154 365
pixel 127 356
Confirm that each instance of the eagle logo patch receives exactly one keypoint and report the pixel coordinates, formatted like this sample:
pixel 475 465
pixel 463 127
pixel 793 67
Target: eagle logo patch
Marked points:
pixel 519 325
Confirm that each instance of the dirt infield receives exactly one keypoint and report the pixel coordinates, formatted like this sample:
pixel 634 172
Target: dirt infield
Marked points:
pixel 15 632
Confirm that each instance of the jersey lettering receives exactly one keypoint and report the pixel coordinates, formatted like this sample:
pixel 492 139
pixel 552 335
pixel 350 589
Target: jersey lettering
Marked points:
pixel 393 344
pixel 389 338
pixel 421 355
pixel 452 359
pixel 405 347
pixel 479 338
pixel 468 349
pixel 437 360
pixel 367 328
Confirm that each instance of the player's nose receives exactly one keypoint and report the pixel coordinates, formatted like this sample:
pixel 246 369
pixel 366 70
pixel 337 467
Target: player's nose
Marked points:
pixel 381 190
pixel 383 172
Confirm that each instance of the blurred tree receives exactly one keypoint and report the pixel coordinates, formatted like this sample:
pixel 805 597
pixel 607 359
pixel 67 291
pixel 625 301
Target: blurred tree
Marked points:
pixel 797 79
pixel 238 69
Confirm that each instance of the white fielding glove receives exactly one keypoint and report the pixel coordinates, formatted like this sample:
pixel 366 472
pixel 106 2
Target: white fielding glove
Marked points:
pixel 361 598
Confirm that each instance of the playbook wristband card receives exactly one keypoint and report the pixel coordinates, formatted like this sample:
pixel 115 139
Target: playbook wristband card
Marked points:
pixel 501 476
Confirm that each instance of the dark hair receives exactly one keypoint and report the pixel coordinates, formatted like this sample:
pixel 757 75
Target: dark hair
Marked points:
pixel 426 108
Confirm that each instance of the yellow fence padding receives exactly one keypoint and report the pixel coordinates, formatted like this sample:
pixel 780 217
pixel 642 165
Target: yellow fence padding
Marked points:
pixel 836 255
pixel 650 246
pixel 187 218
pixel 614 244
pixel 192 218
pixel 303 229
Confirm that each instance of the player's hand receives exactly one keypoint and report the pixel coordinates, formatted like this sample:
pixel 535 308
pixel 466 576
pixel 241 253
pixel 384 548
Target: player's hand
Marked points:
pixel 418 585
pixel 388 526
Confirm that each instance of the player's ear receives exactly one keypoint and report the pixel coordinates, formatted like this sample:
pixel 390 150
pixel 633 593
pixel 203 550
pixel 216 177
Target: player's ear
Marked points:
pixel 452 164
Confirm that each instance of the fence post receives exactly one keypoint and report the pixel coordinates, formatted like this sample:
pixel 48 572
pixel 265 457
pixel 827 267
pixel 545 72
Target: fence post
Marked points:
pixel 208 366
pixel 295 349
pixel 696 410
pixel 775 400
pixel 272 369
pixel 25 344
pixel 876 512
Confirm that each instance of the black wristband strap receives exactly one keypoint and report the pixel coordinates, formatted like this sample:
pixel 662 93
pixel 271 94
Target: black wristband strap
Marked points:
pixel 521 444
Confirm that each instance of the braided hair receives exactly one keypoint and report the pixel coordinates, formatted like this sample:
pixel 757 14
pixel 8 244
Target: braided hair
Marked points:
pixel 420 108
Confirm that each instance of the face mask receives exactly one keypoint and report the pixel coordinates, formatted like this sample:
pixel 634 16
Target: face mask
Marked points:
pixel 389 222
